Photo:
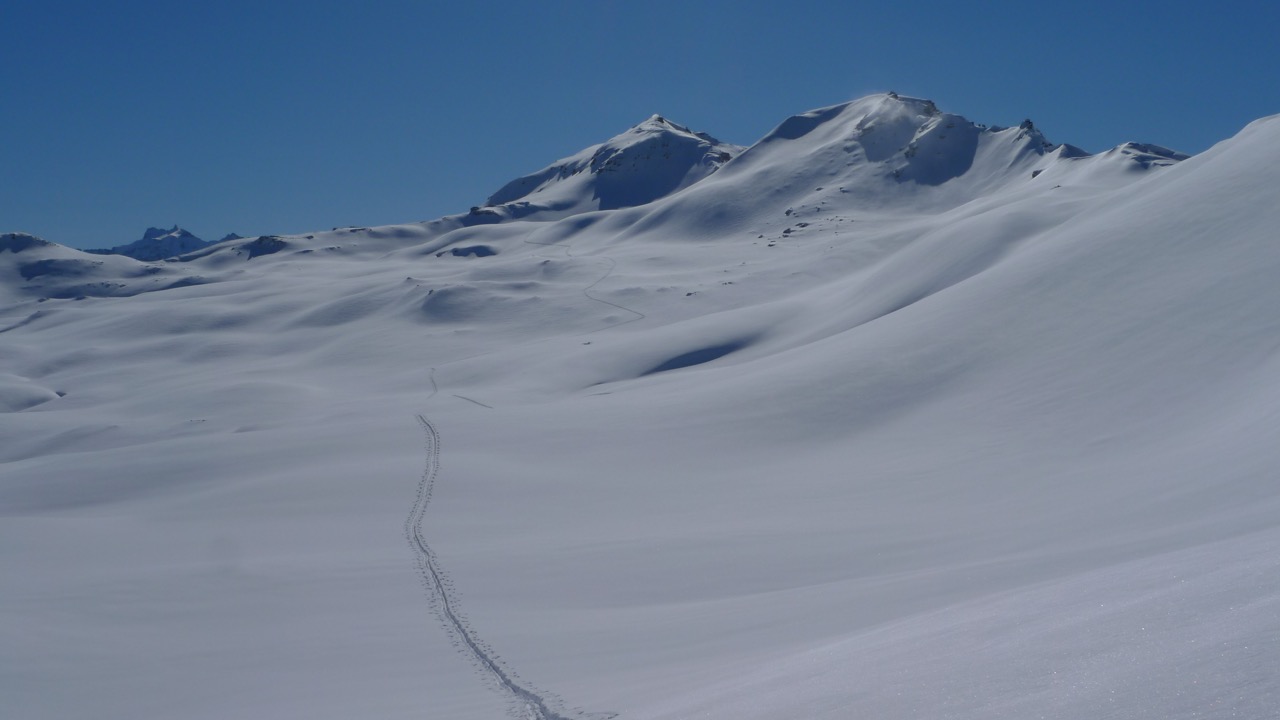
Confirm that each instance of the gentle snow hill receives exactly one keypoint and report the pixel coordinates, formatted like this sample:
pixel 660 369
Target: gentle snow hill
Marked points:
pixel 32 267
pixel 158 244
pixel 893 415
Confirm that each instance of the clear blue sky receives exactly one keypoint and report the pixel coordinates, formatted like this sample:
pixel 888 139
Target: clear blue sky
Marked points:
pixel 277 117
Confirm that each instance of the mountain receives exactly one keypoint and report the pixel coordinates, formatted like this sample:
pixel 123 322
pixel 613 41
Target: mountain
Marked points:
pixel 33 268
pixel 889 414
pixel 158 244
pixel 649 161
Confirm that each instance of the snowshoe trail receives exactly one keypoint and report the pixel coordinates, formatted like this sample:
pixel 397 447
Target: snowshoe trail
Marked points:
pixel 526 703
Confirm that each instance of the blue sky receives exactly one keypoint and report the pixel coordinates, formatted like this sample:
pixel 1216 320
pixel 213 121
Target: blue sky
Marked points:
pixel 278 117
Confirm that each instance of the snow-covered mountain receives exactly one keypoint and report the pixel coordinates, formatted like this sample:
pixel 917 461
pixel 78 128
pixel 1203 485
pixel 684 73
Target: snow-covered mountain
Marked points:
pixel 889 415
pixel 651 160
pixel 158 244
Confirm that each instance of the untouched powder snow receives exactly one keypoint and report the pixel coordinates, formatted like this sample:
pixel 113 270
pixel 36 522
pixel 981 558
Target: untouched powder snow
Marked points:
pixel 888 415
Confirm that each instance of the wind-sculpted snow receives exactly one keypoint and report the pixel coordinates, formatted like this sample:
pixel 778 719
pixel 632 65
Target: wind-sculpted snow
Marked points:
pixel 892 415
pixel 18 393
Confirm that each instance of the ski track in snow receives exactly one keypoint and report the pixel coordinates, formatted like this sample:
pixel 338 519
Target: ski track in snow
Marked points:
pixel 586 291
pixel 471 400
pixel 532 705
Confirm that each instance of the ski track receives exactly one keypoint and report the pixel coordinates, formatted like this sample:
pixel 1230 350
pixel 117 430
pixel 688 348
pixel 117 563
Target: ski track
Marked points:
pixel 470 400
pixel 531 705
pixel 586 291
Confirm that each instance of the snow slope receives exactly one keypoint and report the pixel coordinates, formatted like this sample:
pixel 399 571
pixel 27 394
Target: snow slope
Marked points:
pixel 892 415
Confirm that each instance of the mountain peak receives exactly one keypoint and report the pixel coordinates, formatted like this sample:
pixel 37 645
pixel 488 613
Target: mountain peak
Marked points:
pixel 154 233
pixel 899 139
pixel 157 244
pixel 647 161
pixel 656 123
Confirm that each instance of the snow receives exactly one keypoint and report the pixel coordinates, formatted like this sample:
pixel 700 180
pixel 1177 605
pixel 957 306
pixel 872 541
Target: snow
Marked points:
pixel 864 421
pixel 159 244
pixel 649 161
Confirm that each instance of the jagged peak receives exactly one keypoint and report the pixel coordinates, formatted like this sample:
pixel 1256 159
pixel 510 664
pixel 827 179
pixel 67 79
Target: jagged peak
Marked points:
pixel 157 243
pixel 153 233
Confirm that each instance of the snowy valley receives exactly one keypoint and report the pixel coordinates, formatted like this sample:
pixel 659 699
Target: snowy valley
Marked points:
pixel 889 415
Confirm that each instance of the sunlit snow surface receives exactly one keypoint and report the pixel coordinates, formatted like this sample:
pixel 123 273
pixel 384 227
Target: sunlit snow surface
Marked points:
pixel 888 416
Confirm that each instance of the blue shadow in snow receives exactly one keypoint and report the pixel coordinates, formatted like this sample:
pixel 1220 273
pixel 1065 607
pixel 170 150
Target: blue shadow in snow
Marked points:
pixel 698 357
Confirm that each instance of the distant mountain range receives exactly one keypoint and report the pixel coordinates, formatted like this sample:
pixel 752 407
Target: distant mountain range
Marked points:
pixel 159 243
